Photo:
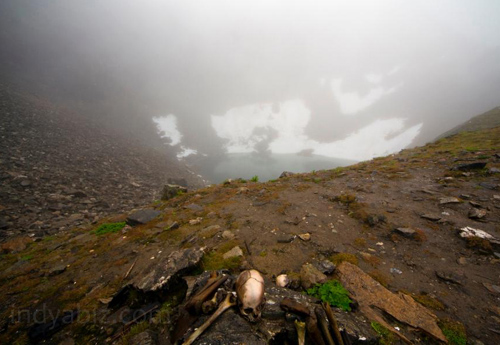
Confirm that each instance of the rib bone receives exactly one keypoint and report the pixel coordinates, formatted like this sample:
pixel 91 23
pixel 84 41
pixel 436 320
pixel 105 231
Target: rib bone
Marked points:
pixel 226 304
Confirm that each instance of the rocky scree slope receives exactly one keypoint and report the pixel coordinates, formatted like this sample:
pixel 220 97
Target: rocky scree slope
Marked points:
pixel 57 171
pixel 397 218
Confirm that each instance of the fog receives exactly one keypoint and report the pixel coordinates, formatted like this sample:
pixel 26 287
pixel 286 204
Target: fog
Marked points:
pixel 340 79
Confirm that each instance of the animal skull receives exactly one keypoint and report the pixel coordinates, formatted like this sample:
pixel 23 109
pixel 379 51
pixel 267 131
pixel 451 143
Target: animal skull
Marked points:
pixel 250 292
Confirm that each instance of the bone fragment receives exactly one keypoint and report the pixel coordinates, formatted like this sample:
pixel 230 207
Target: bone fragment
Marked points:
pixel 301 332
pixel 226 304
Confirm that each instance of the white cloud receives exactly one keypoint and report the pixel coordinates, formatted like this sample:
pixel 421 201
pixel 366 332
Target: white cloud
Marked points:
pixel 238 124
pixel 351 102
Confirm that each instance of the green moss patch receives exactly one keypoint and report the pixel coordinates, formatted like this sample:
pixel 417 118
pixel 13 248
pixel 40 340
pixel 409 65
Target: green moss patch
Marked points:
pixel 454 331
pixel 333 293
pixel 107 228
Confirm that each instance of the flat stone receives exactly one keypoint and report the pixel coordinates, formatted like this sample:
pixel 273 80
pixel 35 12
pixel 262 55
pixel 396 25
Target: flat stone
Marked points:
pixel 476 213
pixel 165 269
pixel 57 270
pixel 449 200
pixel 430 216
pixel 210 229
pixel 375 300
pixel 450 277
pixel 235 252
pixel 495 289
pixel 407 232
pixel 487 185
pixel 142 216
pixel 475 204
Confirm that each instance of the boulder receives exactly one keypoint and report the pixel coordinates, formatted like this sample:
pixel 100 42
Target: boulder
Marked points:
pixel 171 191
pixel 286 174
pixel 470 166
pixel 310 276
pixel 142 216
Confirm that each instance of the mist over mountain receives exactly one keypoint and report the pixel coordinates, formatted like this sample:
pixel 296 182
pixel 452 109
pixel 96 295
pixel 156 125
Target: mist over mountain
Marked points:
pixel 349 80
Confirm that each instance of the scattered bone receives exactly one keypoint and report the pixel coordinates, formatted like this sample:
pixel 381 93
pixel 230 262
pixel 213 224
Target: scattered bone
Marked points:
pixel 226 304
pixel 282 280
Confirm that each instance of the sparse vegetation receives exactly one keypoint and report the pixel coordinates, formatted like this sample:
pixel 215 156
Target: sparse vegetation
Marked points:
pixel 255 178
pixel 333 293
pixel 429 301
pixel 386 336
pixel 454 331
pixel 107 228
pixel 380 277
pixel 341 257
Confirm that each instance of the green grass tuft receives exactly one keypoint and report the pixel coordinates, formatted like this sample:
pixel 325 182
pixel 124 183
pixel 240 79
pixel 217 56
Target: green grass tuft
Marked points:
pixel 109 227
pixel 255 179
pixel 386 336
pixel 454 331
pixel 333 293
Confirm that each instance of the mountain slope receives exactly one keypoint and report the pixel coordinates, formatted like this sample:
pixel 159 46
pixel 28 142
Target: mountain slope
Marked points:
pixel 490 119
pixel 58 171
pixel 350 213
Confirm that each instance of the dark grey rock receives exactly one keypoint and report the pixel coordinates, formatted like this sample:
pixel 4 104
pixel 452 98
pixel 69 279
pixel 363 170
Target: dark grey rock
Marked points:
pixel 171 191
pixel 286 174
pixel 142 216
pixel 164 269
pixel 325 266
pixel 487 185
pixel 450 277
pixel 470 166
pixel 178 181
pixel 3 224
pixel 57 270
pixel 286 238
pixel 144 338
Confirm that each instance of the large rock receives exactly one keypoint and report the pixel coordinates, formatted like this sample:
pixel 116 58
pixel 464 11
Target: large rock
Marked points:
pixel 310 276
pixel 142 216
pixel 470 166
pixel 374 300
pixel 165 269
pixel 171 191
pixel 163 276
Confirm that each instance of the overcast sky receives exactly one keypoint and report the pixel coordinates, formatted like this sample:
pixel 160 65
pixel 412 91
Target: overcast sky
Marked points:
pixel 352 79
